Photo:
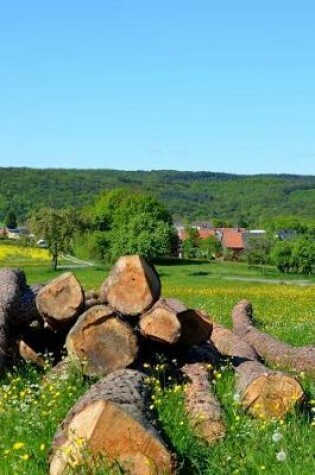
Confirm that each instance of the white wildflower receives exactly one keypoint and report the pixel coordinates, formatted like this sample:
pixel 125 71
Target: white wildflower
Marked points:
pixel 277 436
pixel 236 397
pixel 281 456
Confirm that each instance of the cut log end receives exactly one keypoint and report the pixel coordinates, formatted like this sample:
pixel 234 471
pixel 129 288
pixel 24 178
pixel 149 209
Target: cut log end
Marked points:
pixel 272 396
pixel 132 286
pixel 102 341
pixel 107 430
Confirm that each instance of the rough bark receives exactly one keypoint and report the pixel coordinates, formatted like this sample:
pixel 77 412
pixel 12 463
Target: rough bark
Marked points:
pixel 272 350
pixel 111 420
pixel 263 393
pixel 28 312
pixel 12 286
pixel 203 408
pixel 102 341
pixel 60 301
pixel 132 286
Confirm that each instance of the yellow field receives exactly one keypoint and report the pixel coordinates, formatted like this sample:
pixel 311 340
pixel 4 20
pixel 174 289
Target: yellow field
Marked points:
pixel 14 252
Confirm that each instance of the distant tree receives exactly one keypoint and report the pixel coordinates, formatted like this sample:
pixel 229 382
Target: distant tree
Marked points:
pixel 10 220
pixel 258 249
pixel 191 243
pixel 295 255
pixel 210 248
pixel 57 228
pixel 131 223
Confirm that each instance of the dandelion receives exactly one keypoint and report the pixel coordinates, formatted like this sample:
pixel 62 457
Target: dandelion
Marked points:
pixel 236 397
pixel 42 447
pixel 18 445
pixel 281 456
pixel 277 436
pixel 25 457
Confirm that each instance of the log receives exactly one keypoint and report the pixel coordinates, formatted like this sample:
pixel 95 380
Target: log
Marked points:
pixel 169 321
pixel 29 355
pixel 272 350
pixel 111 420
pixel 132 286
pixel 263 393
pixel 60 301
pixel 161 322
pixel 102 341
pixel 196 327
pixel 12 286
pixel 203 408
pixel 28 312
pixel 91 302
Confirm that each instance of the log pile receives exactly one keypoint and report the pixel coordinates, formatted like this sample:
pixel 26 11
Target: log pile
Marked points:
pixel 112 332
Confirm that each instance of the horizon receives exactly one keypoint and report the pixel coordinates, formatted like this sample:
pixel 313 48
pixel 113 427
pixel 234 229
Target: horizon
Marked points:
pixel 158 170
pixel 158 86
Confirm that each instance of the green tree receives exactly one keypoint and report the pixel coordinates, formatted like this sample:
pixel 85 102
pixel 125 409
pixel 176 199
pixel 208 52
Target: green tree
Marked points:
pixel 10 220
pixel 130 223
pixel 258 249
pixel 191 243
pixel 210 248
pixel 57 228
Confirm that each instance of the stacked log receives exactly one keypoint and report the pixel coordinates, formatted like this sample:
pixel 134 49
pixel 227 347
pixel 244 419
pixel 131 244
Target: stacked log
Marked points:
pixel 123 325
pixel 103 341
pixel 263 393
pixel 203 408
pixel 269 348
pixel 111 419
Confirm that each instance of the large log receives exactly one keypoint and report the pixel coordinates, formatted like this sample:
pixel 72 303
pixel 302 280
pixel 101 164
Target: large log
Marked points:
pixel 102 341
pixel 132 286
pixel 161 322
pixel 263 393
pixel 28 311
pixel 272 350
pixel 12 286
pixel 203 408
pixel 111 420
pixel 169 321
pixel 60 301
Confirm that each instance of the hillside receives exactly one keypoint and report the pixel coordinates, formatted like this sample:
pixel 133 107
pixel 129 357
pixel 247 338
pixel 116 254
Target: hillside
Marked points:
pixel 192 195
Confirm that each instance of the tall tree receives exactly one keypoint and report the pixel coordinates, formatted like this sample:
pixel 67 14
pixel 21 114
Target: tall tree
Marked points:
pixel 57 228
pixel 10 220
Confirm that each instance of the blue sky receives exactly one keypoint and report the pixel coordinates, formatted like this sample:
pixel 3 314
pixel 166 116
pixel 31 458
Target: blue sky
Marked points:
pixel 167 84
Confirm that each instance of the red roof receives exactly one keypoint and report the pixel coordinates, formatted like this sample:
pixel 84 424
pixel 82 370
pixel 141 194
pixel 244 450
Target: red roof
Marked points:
pixel 233 239
pixel 205 233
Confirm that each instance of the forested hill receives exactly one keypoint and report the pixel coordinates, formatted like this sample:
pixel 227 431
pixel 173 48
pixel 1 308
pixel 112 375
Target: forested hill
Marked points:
pixel 191 195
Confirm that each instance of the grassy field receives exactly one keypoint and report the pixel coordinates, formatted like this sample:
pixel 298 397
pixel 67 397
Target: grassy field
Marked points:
pixel 30 409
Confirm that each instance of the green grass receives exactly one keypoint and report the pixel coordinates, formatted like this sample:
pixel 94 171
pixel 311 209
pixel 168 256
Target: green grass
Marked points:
pixel 30 410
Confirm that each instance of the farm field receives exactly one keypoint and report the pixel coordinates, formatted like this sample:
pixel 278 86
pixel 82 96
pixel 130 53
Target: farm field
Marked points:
pixel 30 409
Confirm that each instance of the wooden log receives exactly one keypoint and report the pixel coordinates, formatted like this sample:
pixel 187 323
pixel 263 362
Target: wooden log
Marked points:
pixel 27 311
pixel 29 355
pixel 196 327
pixel 12 286
pixel 132 286
pixel 101 340
pixel 111 420
pixel 60 301
pixel 161 322
pixel 91 302
pixel 203 408
pixel 169 321
pixel 263 393
pixel 272 350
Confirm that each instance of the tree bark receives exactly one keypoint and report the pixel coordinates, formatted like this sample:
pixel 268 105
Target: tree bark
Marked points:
pixel 132 286
pixel 263 393
pixel 203 408
pixel 272 350
pixel 103 342
pixel 111 420
pixel 12 287
pixel 60 301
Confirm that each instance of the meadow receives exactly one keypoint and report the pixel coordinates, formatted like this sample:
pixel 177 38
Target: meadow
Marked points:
pixel 31 407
